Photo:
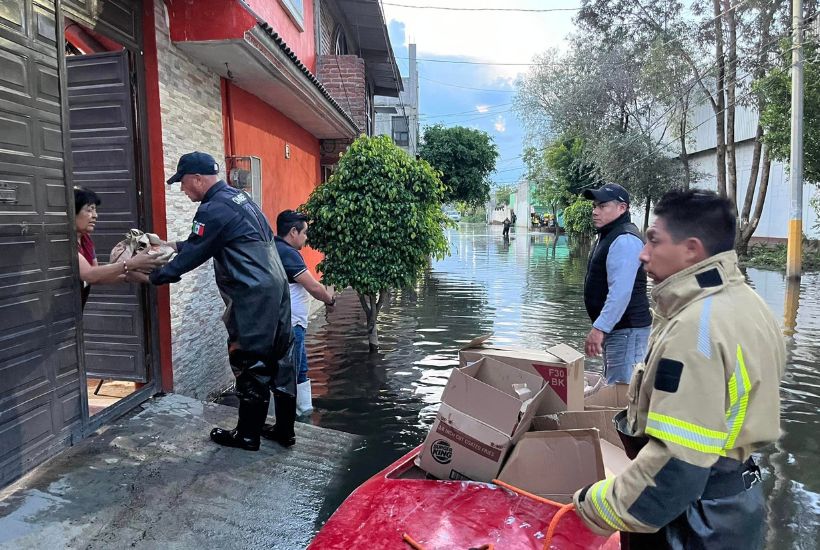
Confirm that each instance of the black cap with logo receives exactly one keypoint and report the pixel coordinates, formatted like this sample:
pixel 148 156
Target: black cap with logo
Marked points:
pixel 609 192
pixel 194 163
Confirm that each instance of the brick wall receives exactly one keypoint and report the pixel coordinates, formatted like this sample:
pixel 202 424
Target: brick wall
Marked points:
pixel 343 77
pixel 191 104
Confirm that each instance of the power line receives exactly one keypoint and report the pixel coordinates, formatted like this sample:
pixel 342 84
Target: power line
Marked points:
pixel 471 111
pixel 513 10
pixel 467 87
pixel 609 65
pixel 460 62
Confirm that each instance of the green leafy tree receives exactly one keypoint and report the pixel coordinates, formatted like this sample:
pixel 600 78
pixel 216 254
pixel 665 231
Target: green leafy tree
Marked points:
pixel 578 218
pixel 547 189
pixel 567 160
pixel 775 118
pixel 377 220
pixel 465 157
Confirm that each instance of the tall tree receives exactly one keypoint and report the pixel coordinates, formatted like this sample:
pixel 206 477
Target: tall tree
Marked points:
pixel 735 38
pixel 377 220
pixel 465 157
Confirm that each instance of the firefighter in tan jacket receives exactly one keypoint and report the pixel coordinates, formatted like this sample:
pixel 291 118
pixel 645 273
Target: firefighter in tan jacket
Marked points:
pixel 706 398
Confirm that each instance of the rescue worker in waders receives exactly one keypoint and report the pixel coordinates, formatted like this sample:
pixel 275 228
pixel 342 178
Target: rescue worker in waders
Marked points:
pixel 706 398
pixel 230 228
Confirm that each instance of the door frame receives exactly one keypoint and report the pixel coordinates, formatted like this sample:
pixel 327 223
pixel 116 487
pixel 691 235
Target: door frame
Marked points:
pixel 142 165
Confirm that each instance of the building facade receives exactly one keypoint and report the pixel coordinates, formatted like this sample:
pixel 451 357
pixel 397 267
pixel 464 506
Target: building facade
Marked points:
pixel 773 225
pixel 108 94
pixel 398 117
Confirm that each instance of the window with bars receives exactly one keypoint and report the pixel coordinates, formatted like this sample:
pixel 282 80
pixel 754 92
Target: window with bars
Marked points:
pixel 401 131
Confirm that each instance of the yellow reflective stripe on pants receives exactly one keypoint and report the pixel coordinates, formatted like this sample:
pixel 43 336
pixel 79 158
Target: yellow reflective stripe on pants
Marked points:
pixel 597 494
pixel 686 434
pixel 739 386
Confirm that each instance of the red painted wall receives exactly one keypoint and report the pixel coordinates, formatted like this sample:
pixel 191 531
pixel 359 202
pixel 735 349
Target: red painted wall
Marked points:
pixel 303 43
pixel 207 19
pixel 257 129
pixel 228 19
pixel 157 177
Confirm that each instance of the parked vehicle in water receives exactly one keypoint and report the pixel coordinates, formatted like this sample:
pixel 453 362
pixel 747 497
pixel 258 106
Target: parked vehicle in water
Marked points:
pixel 452 213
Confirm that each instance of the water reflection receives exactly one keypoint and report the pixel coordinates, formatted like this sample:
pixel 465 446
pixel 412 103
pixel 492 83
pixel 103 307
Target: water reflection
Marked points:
pixel 528 291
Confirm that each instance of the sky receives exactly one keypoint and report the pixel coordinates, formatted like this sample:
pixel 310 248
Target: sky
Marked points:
pixel 477 94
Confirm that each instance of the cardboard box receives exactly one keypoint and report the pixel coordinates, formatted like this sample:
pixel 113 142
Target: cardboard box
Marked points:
pixel 479 419
pixel 555 464
pixel 600 419
pixel 561 367
pixel 603 395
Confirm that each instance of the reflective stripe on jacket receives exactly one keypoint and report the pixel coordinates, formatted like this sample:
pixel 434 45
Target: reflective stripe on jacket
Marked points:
pixel 709 389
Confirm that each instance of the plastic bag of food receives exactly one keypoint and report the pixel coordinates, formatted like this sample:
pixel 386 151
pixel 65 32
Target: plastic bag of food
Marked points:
pixel 137 242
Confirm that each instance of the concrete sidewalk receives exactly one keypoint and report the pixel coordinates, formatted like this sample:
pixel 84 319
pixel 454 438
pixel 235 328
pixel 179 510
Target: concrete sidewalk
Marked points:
pixel 153 480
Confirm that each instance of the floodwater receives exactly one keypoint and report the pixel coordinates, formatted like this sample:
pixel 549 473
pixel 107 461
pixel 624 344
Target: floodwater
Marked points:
pixel 528 292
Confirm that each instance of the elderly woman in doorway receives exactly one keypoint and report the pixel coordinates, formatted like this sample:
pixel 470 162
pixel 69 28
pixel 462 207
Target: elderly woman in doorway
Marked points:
pixel 85 219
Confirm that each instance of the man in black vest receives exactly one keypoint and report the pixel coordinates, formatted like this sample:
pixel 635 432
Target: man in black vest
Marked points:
pixel 615 286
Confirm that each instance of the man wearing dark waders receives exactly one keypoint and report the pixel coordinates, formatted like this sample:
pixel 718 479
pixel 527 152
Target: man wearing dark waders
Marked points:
pixel 230 228
pixel 706 398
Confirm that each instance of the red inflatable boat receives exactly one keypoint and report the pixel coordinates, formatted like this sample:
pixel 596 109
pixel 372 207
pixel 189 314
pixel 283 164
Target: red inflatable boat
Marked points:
pixel 399 508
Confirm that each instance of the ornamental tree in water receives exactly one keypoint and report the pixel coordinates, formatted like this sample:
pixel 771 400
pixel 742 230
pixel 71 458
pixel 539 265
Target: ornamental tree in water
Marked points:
pixel 377 220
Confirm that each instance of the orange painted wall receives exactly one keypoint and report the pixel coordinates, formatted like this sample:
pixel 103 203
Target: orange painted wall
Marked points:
pixel 260 130
pixel 301 42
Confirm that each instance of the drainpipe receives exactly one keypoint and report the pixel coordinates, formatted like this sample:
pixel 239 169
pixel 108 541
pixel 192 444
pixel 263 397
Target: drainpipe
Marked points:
pixel 227 118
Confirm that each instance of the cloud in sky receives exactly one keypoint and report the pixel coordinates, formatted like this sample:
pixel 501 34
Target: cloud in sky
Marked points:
pixel 473 95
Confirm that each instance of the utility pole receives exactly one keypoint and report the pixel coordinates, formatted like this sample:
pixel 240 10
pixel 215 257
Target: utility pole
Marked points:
pixel 795 246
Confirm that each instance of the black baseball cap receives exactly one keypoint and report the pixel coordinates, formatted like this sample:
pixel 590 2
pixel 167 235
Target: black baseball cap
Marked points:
pixel 609 192
pixel 194 163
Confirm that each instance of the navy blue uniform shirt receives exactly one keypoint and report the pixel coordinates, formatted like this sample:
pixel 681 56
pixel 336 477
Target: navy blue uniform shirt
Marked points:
pixel 215 225
pixel 292 260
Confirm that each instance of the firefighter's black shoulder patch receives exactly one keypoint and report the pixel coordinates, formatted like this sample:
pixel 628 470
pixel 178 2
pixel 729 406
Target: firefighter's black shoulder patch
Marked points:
pixel 668 376
pixel 709 278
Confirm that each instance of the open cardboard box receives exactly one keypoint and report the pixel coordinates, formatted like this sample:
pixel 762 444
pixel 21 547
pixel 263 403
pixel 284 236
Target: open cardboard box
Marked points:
pixel 561 367
pixel 603 395
pixel 555 464
pixel 479 419
pixel 599 419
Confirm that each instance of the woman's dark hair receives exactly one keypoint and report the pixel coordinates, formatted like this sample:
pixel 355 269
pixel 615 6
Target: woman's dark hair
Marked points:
pixel 704 215
pixel 287 220
pixel 84 197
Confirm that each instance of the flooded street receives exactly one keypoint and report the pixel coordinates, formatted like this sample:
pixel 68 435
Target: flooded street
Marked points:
pixel 528 292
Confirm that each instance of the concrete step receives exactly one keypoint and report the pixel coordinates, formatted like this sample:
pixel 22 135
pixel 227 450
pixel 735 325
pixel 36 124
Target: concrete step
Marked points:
pixel 154 479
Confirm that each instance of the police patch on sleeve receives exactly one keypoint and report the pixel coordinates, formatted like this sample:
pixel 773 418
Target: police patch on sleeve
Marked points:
pixel 198 228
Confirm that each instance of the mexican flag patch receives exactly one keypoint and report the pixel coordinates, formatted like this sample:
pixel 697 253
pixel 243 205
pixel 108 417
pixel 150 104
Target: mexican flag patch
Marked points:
pixel 198 228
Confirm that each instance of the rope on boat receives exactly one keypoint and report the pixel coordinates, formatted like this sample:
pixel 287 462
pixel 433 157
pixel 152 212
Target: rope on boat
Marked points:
pixel 413 544
pixel 520 491
pixel 554 524
pixel 562 509
pixel 416 546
